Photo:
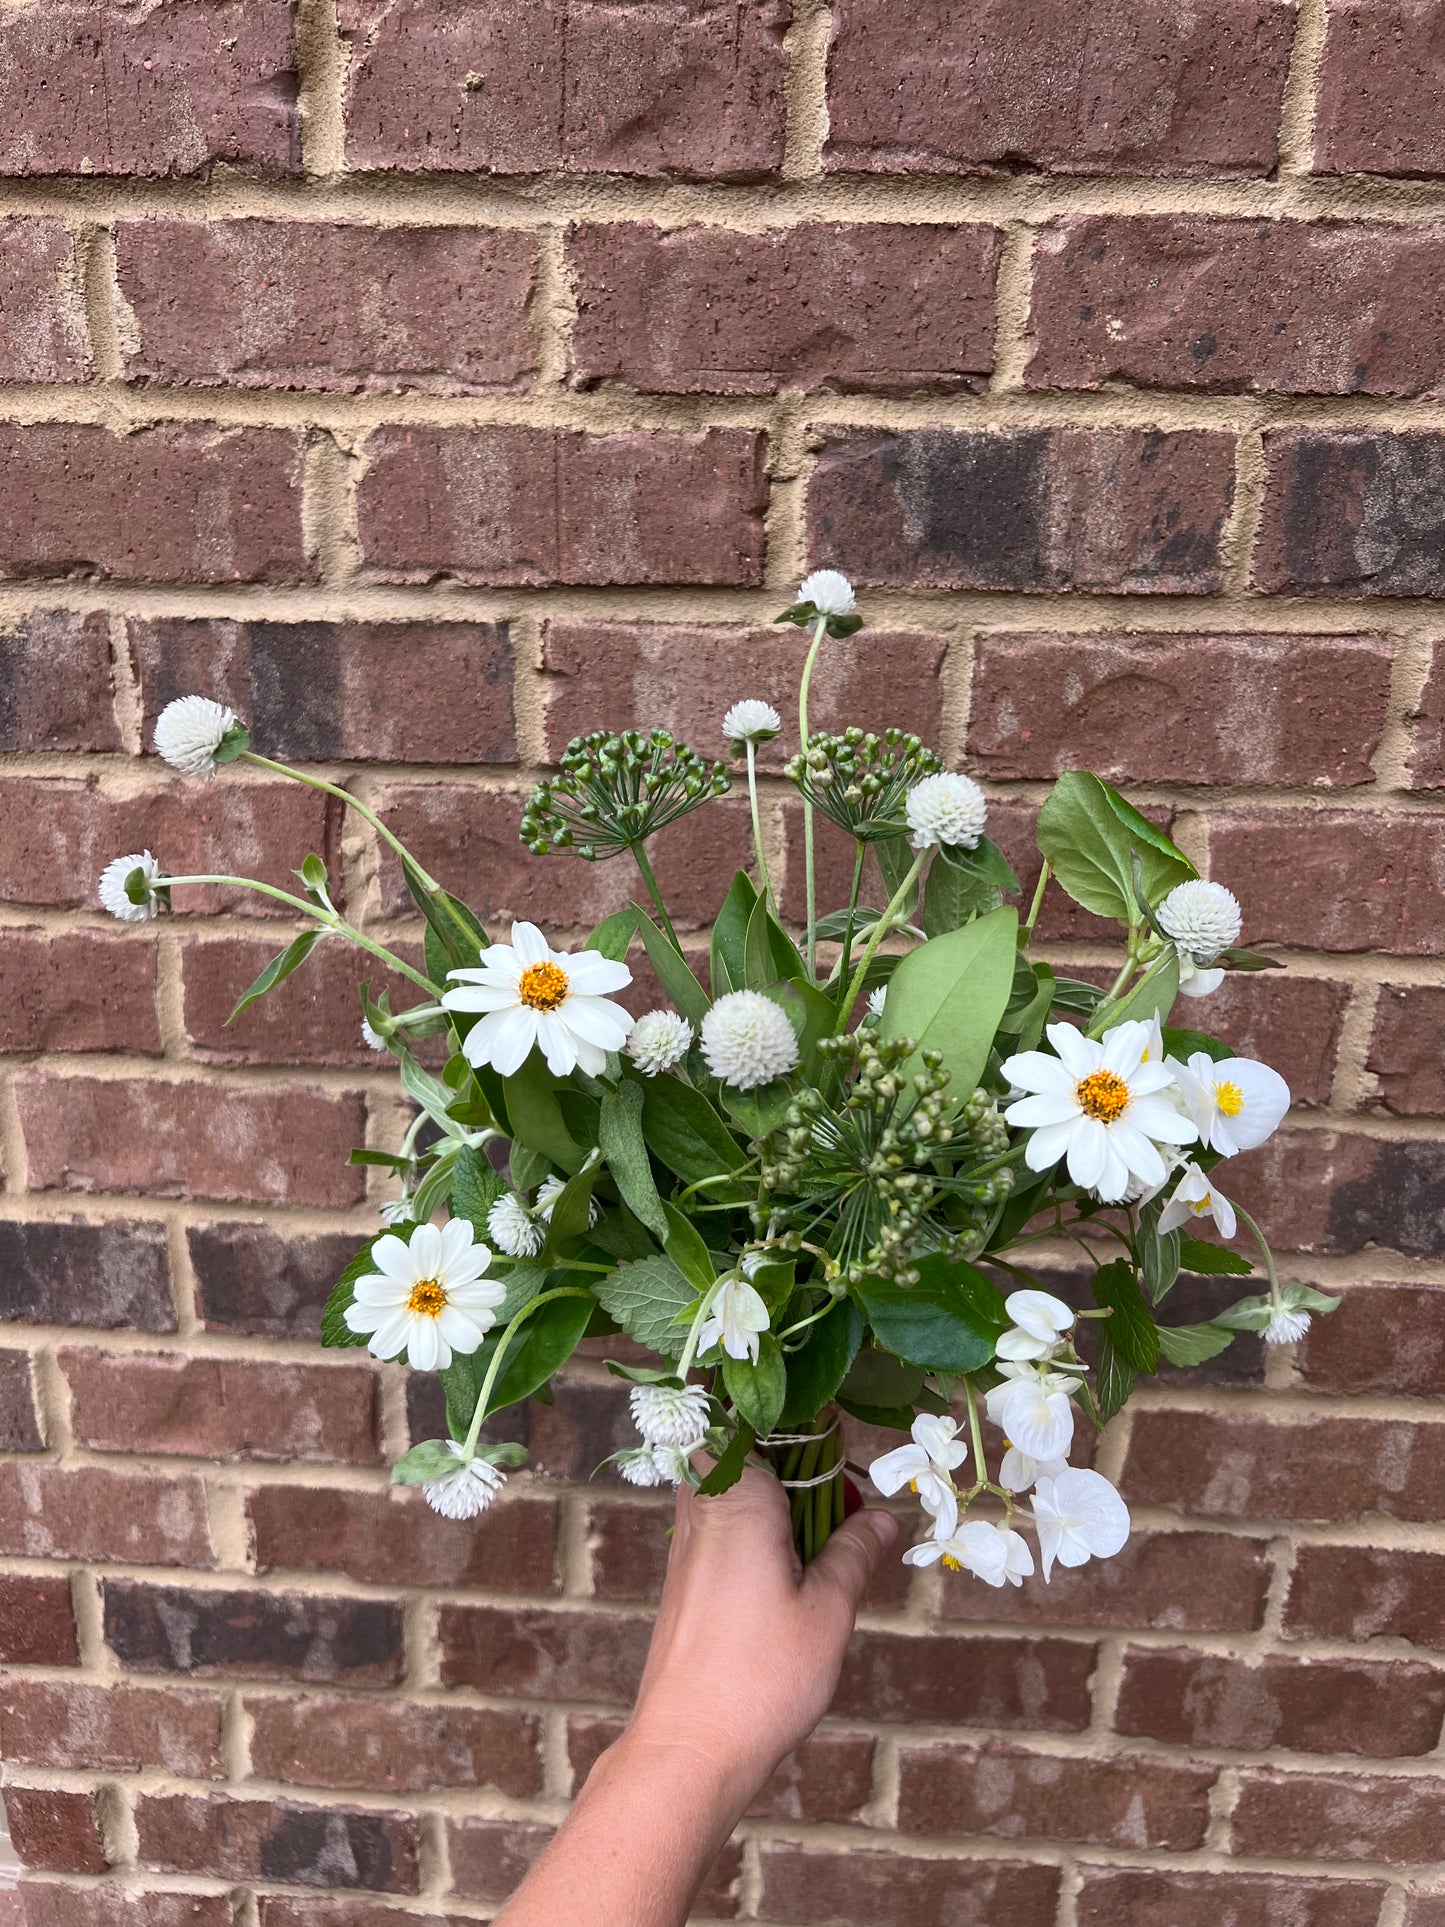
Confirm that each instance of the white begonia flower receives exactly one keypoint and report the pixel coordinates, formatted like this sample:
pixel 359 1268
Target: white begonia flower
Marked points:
pixel 1100 1105
pixel 1194 981
pixel 467 1491
pixel 736 1317
pixel 1235 1105
pixel 1034 1410
pixel 830 593
pixel 747 1040
pixel 1018 1470
pixel 1203 919
pixel 1040 1321
pixel 1286 1326
pixel 512 1228
pixel 1197 1196
pixel 372 1039
pixel 658 1040
pixel 111 888
pixel 530 994
pixel 752 722
pixel 926 1465
pixel 996 1554
pixel 948 808
pixel 548 1192
pixel 190 730
pixel 427 1297
pixel 669 1415
pixel 1079 1516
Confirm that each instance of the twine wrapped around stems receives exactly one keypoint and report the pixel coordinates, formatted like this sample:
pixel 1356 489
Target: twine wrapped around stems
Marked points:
pixel 809 1466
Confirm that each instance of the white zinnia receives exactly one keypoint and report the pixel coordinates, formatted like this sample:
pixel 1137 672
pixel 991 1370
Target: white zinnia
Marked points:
pixel 1099 1104
pixel 1040 1321
pixel 830 593
pixel 467 1491
pixel 747 1040
pixel 512 1228
pixel 751 722
pixel 1079 1517
pixel 427 1298
pixel 670 1415
pixel 1195 1196
pixel 530 994
pixel 736 1317
pixel 1203 919
pixel 190 730
pixel 948 808
pixel 1286 1326
pixel 658 1040
pixel 1019 1470
pixel 926 1465
pixel 111 888
pixel 548 1192
pixel 1034 1410
pixel 1235 1104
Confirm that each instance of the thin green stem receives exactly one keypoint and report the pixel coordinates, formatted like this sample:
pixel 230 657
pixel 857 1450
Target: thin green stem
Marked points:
pixel 812 1319
pixel 640 856
pixel 495 1366
pixel 880 931
pixel 352 802
pixel 1264 1251
pixel 721 1177
pixel 1028 928
pixel 763 876
pixel 689 1350
pixel 845 958
pixel 975 1430
pixel 819 628
pixel 1099 1023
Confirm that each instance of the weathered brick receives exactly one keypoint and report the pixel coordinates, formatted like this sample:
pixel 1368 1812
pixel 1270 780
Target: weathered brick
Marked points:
pixel 524 506
pixel 828 1779
pixel 104 89
pixel 253 1279
pixel 104 1905
pixel 1353 512
pixel 37 1626
pixel 1050 87
pixel 1122 510
pixel 1288 1021
pixel 1015 1794
pixel 1424 1910
pixel 1380 89
pixel 19 1420
pixel 312 1018
pixel 1042 1684
pixel 330 1740
pixel 629 1544
pixel 55 681
pixel 1325 1191
pixel 64 1272
pixel 390 1537
pixel 1338 1816
pixel 820 1887
pixel 178 1140
pixel 277 1840
pixel 42 321
pixel 531 1654
pixel 210 1634
pixel 1383 1338
pixel 395 692
pixel 1218 709
pixel 114 1729
pixel 1367 1592
pixel 180 502
pixel 490 1858
pixel 567 1439
pixel 707 310
pixel 1407 1050
pixel 55 1512
pixel 1427 756
pixel 693 88
pixel 222 1408
pixel 280 1910
pixel 55 1830
pixel 1142 1897
pixel 78 990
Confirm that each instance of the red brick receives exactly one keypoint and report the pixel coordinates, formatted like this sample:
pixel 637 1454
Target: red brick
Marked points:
pixel 531 1654
pixel 393 692
pixel 829 1779
pixel 369 1744
pixel 491 1857
pixel 55 681
pixel 1383 1338
pixel 568 1439
pixel 253 1279
pixel 141 1518
pixel 19 1420
pixel 1407 1050
pixel 1339 1816
pixel 1014 1794
pixel 63 1272
pixel 393 1537
pixel 1424 1910
pixel 209 1634
pixel 37 1626
pixel 103 89
pixel 54 1830
pixel 820 1887
pixel 693 89
pixel 1324 1191
pixel 1234 1466
pixel 1427 759
pixel 1381 1709
pixel 1057 88
pixel 1380 89
pixel 949 1677
pixel 273 304
pixel 1129 511
pixel 277 1910
pixel 1361 1593
pixel 277 1840
pixel 1352 513
pixel 1210 709
pixel 78 990
pixel 177 1140
pixel 629 1544
pixel 312 1018
pixel 180 502
pixel 113 1729
pixel 528 506
pixel 42 321
pixel 51 1905
pixel 1142 1897
pixel 222 1408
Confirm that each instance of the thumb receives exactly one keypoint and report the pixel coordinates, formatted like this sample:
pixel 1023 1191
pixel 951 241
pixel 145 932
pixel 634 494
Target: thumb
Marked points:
pixel 850 1558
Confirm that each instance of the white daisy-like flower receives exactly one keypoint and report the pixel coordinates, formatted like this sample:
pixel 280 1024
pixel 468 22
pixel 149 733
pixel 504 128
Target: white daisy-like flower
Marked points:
pixel 396 1210
pixel 1040 1321
pixel 876 1000
pixel 1286 1326
pixel 372 1039
pixel 1194 981
pixel 996 1554
pixel 548 1192
pixel 747 1040
pixel 190 730
pixel 111 888
pixel 1034 1409
pixel 512 1228
pixel 1100 1105
pixel 752 722
pixel 1203 918
pixel 1235 1104
pixel 639 1467
pixel 658 1040
pixel 671 1415
pixel 467 1491
pixel 735 1319
pixel 1079 1516
pixel 1197 1196
pixel 530 994
pixel 1018 1470
pixel 830 593
pixel 926 1465
pixel 947 808
pixel 428 1297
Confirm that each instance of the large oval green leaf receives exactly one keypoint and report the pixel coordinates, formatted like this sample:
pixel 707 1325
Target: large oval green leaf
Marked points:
pixel 948 1322
pixel 949 994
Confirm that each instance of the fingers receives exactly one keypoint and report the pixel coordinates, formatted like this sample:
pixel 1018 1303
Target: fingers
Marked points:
pixel 850 1558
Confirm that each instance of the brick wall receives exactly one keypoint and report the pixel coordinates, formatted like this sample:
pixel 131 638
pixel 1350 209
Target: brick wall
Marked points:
pixel 430 378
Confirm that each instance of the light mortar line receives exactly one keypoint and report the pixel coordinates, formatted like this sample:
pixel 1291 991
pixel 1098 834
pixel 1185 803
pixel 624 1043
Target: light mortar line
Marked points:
pixel 1013 296
pixel 1297 118
pixel 86 1605
pixel 1237 544
pixel 531 686
pixel 125 688
pixel 805 90
pixel 956 680
pixel 1392 1910
pixel 13 1155
pixel 433 1861
pixel 881 1809
pixel 1414 658
pixel 1105 1687
pixel 115 1823
pixel 420 1641
pixel 229 1528
pixel 1354 1085
pixel 1223 1798
pixel 95 274
pixel 328 514
pixel 749 1890
pixel 236 1730
pixel 321 57
pixel 785 518
pixel 552 309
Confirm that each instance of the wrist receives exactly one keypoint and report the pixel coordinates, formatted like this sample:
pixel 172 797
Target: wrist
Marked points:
pixel 689 1765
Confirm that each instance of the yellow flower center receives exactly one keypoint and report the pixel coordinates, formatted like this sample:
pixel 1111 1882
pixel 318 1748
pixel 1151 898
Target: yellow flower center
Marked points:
pixel 1104 1095
pixel 543 986
pixel 1229 1098
pixel 427 1298
pixel 951 1562
pixel 1201 1206
pixel 913 1485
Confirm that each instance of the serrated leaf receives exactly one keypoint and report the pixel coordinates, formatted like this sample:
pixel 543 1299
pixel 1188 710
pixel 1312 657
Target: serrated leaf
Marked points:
pixel 820 1364
pixel 1113 1378
pixel 1211 1261
pixel 476 1187
pixel 334 1329
pixel 1186 1345
pixel 645 1298
pixel 279 968
pixel 759 1111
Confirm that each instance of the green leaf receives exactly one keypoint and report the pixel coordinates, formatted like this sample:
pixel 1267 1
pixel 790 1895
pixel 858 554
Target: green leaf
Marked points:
pixel 949 994
pixel 1192 1344
pixel 769 953
pixel 1132 1332
pixel 673 972
pixel 279 968
pixel 313 873
pixel 619 1134
pixel 475 1189
pixel 645 1298
pixel 537 1117
pixel 687 1135
pixel 877 1378
pixel 1113 1378
pixel 761 1110
pixel 1087 846
pixel 613 936
pixel 940 1323
pixel 687 1250
pixel 730 936
pixel 432 1459
pixel 1158 1256
pixel 820 1364
pixel 757 1391
pixel 1163 863
pixel 334 1329
pixel 541 1347
pixel 572 1206
pixel 1185 1044
pixel 523 1283
pixel 894 856
pixel 1154 997
pixel 1211 1261
pixel 459 938
pixel 895 1418
pixel 811 1013
pixel 1306 1298
pixel 729 1468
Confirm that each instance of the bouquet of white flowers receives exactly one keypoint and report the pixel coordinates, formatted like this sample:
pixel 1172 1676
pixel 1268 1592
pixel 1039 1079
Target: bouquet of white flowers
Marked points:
pixel 815 1183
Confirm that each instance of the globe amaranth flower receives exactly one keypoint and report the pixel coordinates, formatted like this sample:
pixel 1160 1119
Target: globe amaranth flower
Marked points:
pixel 671 1414
pixel 427 1297
pixel 1079 1516
pixel 1287 1325
pixel 747 1040
pixel 947 808
pixel 529 994
pixel 467 1491
pixel 659 1040
pixel 396 1210
pixel 830 593
pixel 1040 1322
pixel 372 1039
pixel 548 1192
pixel 190 731
pixel 112 890
pixel 512 1228
pixel 735 1319
pixel 1204 921
pixel 876 1000
pixel 751 721
pixel 1197 1196
pixel 1235 1104
pixel 1034 1409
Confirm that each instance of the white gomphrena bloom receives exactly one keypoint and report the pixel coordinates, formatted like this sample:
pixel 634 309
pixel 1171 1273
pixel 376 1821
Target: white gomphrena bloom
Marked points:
pixel 427 1297
pixel 1034 1410
pixel 1101 1104
pixel 372 1039
pixel 111 888
pixel 1079 1516
pixel 397 1210
pixel 512 1228
pixel 1287 1325
pixel 1203 918
pixel 190 730
pixel 658 1040
pixel 735 1320
pixel 529 994
pixel 1235 1104
pixel 926 1465
pixel 876 1000
pixel 639 1467
pixel 670 1414
pixel 467 1491
pixel 671 1464
pixel 548 1192
pixel 752 721
pixel 1040 1321
pixel 948 808
pixel 1197 1196
pixel 1018 1471
pixel 830 593
pixel 747 1040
